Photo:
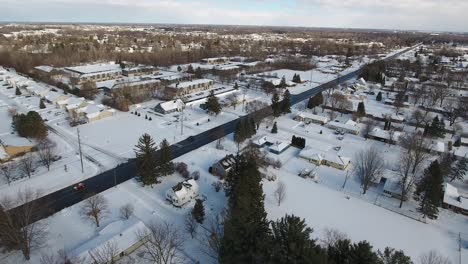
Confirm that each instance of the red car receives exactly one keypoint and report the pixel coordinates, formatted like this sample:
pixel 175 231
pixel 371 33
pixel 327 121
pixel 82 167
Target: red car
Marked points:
pixel 79 187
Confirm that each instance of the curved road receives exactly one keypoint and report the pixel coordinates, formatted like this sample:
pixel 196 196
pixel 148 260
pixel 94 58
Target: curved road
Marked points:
pixel 67 196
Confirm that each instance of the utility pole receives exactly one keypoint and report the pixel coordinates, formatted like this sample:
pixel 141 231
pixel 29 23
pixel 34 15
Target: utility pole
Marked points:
pixel 459 247
pixel 79 147
pixel 115 177
pixel 182 122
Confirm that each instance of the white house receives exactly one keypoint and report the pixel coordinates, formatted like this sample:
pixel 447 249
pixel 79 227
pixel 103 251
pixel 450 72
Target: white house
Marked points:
pixel 453 200
pixel 123 234
pixel 311 118
pixel 182 192
pixel 349 127
pixel 275 146
pixel 170 106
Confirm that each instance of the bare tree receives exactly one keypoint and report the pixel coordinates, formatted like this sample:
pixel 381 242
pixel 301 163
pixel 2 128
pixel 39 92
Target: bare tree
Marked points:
pixel 191 225
pixel 46 151
pixel 19 228
pixel 12 112
pixel 95 209
pixel 164 243
pixel 126 211
pixel 61 257
pixel 27 165
pixel 212 238
pixel 415 152
pixel 433 257
pixel 419 118
pixel 233 100
pixel 368 166
pixel 331 236
pixel 280 192
pixel 105 254
pixel 7 172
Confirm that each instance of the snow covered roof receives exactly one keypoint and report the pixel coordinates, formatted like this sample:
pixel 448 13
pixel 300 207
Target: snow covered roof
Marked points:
pixel 392 185
pixel 51 96
pixel 226 67
pixel 122 233
pixel 319 118
pixel 461 152
pixel 227 162
pixel 171 105
pixel 438 146
pixel 94 68
pixel 464 140
pixel 16 141
pixel 384 134
pixel 452 197
pixel 38 89
pixel 183 85
pixel 279 146
pixel 182 189
pixel 44 68
pixel 347 127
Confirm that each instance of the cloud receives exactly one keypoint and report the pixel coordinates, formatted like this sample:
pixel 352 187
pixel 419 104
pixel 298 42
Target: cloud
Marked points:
pixel 446 15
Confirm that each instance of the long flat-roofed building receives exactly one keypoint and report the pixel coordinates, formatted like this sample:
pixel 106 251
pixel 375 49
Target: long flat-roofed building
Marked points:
pixel 94 72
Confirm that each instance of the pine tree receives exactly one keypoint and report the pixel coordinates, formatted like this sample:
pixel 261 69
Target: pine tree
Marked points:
pixel 379 97
pixel 179 69
pixel 342 251
pixel 165 164
pixel 298 79
pixel 239 133
pixel 30 125
pixel 246 228
pixel 145 158
pixel 275 105
pixel 198 73
pixel 292 242
pixel 212 104
pixel 312 103
pixel 429 191
pixel 458 170
pixel 198 211
pixel 274 129
pixel 286 103
pixel 392 256
pixel 190 69
pixel 17 91
pixel 41 104
pixel 436 128
pixel 283 82
pixel 361 109
pixel 236 86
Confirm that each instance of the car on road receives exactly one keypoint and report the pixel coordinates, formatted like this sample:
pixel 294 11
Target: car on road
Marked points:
pixel 191 138
pixel 79 187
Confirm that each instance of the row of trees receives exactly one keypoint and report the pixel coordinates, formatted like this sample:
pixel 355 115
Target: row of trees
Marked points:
pixel 30 125
pixel 151 162
pixel 250 238
pixel 283 106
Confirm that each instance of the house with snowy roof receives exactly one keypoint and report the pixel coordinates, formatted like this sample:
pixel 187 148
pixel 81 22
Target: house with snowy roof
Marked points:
pixel 222 167
pixel 54 97
pixel 94 72
pixel 182 192
pixel 183 88
pixel 169 106
pixel 274 145
pixel 72 103
pixel 13 146
pixel 320 153
pixel 123 235
pixel 38 90
pixel 311 118
pixel 348 127
pixel 92 112
pixel 454 201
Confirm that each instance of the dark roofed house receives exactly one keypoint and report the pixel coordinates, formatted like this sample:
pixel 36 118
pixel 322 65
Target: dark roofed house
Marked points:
pixel 223 166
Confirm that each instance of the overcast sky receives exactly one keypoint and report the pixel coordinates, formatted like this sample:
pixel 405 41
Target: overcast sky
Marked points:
pixel 444 15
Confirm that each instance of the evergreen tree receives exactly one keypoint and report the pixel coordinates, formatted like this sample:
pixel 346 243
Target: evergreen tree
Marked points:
pixel 292 243
pixel 165 164
pixel 361 109
pixel 362 253
pixel 436 128
pixel 179 69
pixel 458 170
pixel 145 159
pixel 286 103
pixel 198 73
pixel 190 69
pixel 198 211
pixel 212 104
pixel 392 256
pixel 429 191
pixel 344 252
pixel 283 82
pixel 239 133
pixel 41 104
pixel 30 125
pixel 379 97
pixel 246 229
pixel 17 91
pixel 275 104
pixel 274 129
pixel 298 78
pixel 236 86
pixel 315 101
